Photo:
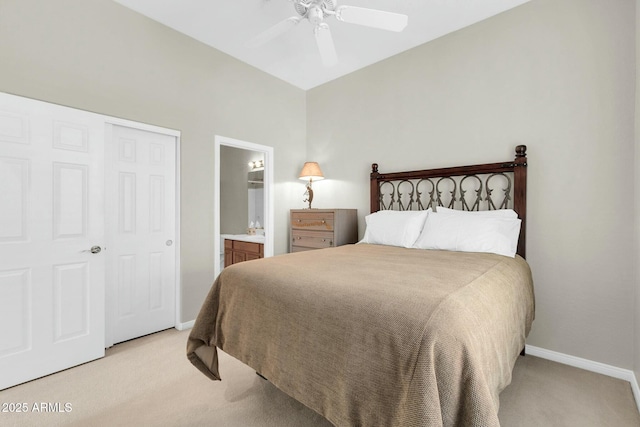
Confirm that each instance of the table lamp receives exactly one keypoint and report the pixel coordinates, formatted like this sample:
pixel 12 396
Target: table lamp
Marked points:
pixel 310 171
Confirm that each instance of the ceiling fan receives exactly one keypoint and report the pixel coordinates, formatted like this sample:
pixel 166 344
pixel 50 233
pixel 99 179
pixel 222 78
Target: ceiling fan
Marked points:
pixel 315 11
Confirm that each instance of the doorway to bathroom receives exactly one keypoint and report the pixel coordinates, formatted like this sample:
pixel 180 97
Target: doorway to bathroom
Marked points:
pixel 243 199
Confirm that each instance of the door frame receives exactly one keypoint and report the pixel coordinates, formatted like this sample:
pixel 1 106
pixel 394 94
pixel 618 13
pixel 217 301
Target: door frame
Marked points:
pixel 269 222
pixel 109 123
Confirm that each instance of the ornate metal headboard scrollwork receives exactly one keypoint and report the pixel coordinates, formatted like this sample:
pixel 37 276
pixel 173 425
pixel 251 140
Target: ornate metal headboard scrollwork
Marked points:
pixel 488 186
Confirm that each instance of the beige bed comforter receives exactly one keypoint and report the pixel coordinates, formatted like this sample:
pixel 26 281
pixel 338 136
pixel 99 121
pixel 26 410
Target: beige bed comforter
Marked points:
pixel 371 335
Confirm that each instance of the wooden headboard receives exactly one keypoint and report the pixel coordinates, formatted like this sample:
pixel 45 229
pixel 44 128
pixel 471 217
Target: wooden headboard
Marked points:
pixel 488 186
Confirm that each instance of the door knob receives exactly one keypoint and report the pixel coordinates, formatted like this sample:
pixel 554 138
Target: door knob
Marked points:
pixel 95 249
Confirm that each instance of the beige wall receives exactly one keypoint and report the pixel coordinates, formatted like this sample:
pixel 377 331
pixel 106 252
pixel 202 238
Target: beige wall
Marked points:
pixel 637 199
pixel 557 76
pixel 99 56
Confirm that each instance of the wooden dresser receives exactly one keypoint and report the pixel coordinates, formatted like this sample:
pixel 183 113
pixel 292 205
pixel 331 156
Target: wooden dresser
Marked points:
pixel 322 228
pixel 236 251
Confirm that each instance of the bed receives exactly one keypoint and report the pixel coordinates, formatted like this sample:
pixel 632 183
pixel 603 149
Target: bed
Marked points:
pixel 390 331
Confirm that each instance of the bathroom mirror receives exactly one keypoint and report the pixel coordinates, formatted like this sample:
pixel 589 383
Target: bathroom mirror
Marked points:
pixel 241 190
pixel 255 191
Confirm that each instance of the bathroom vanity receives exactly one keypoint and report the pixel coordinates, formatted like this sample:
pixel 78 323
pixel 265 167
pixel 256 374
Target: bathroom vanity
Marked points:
pixel 242 247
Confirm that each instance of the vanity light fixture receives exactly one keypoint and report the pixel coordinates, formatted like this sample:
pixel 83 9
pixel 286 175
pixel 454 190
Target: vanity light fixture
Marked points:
pixel 256 165
pixel 310 171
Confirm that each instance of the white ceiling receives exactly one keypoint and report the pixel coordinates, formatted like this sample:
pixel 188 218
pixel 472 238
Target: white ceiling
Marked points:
pixel 293 57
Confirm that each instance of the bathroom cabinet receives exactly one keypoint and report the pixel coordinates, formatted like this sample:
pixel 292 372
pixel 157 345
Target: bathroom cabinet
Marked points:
pixel 236 251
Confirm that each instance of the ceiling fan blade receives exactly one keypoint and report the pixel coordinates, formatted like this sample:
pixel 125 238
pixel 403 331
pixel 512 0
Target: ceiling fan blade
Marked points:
pixel 273 32
pixel 325 45
pixel 372 18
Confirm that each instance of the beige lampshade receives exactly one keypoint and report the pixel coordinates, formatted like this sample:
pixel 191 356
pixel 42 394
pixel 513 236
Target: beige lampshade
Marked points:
pixel 311 170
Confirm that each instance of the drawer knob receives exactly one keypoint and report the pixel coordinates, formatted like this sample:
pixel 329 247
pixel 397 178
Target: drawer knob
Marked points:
pixel 323 221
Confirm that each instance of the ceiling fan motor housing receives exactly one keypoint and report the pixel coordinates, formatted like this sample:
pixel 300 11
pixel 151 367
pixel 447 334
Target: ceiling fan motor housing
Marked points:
pixel 315 10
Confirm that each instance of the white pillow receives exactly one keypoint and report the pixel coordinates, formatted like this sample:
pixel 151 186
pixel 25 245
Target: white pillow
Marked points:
pixel 498 213
pixel 394 228
pixel 470 233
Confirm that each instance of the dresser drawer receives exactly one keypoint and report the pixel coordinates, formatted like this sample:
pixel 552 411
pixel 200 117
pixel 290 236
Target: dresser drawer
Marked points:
pixel 301 249
pixel 313 221
pixel 312 239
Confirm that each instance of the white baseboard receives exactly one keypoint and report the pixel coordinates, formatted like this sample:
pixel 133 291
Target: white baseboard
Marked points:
pixel 185 325
pixel 636 390
pixel 588 365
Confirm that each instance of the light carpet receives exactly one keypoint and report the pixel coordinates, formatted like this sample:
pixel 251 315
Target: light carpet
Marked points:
pixel 150 382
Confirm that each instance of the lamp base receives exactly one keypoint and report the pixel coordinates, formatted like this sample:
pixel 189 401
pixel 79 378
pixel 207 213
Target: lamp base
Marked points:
pixel 309 194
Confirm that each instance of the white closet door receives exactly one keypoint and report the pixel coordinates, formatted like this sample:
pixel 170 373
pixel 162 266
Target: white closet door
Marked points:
pixel 141 229
pixel 51 215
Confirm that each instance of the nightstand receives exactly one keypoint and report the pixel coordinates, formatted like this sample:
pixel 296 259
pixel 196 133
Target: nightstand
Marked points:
pixel 322 228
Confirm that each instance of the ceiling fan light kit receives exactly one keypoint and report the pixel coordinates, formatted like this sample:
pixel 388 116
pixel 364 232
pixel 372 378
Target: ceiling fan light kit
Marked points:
pixel 315 11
